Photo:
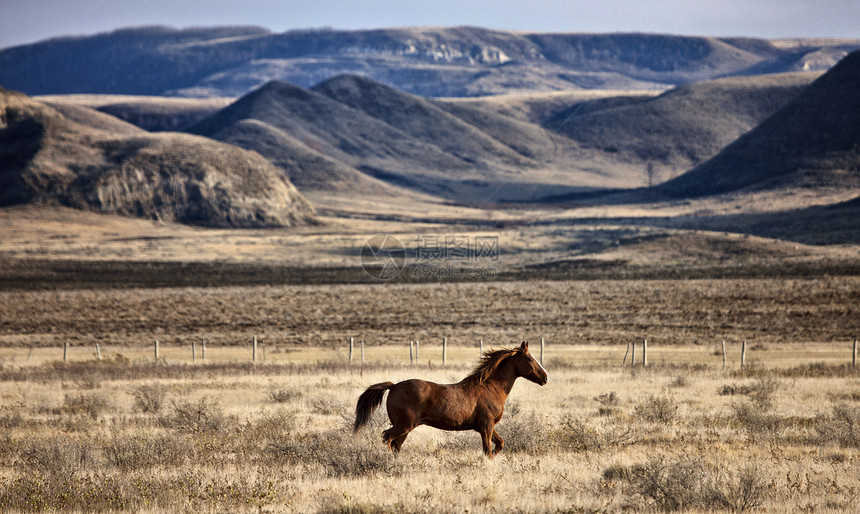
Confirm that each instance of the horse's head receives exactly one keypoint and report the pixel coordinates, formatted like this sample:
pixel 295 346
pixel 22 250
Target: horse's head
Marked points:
pixel 528 367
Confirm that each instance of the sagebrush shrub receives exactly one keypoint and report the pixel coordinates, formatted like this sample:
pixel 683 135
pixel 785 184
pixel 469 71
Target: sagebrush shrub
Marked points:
pixel 205 415
pixel 841 427
pixel 660 409
pixel 90 404
pixel 149 398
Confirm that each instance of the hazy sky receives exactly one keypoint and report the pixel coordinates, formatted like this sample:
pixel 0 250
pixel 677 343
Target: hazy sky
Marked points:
pixel 26 21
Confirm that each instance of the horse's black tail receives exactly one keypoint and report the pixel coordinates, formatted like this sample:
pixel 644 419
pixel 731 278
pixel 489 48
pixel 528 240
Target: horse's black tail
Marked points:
pixel 368 402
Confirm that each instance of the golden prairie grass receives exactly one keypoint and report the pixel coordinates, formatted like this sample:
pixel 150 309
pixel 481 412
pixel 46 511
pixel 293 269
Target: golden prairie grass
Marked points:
pixel 126 434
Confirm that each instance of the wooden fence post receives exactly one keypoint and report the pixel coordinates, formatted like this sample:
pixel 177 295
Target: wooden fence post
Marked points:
pixel 743 354
pixel 156 349
pixel 724 353
pixel 194 352
pixel 29 353
pixel 633 354
pixel 98 352
pixel 411 354
pixel 254 351
pixel 481 346
pixel 444 349
pixel 351 344
pixel 362 352
pixel 203 350
pixel 541 351
pixel 416 350
pixel 626 352
pixel 65 352
pixel 644 353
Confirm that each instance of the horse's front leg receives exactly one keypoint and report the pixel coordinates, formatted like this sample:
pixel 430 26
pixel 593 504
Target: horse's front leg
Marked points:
pixel 486 436
pixel 498 441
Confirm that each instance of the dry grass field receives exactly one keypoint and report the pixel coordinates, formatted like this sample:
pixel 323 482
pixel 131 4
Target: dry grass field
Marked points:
pixel 130 434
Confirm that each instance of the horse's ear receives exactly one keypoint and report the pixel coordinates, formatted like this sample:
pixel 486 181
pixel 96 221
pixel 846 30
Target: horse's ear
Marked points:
pixel 525 346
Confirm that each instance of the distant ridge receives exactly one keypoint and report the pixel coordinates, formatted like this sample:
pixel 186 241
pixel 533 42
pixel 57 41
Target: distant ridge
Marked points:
pixel 430 61
pixel 813 141
pixel 46 158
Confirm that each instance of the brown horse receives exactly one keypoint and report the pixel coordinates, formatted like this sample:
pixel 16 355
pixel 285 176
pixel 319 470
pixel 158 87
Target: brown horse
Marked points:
pixel 474 403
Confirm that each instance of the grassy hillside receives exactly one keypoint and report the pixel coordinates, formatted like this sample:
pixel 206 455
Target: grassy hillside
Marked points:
pixel 682 127
pixel 418 118
pixel 812 141
pixel 47 158
pixel 331 132
pixel 452 61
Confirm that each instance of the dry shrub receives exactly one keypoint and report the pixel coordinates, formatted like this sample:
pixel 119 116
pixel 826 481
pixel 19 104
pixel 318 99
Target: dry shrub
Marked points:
pixel 203 416
pixel 760 392
pixel 139 492
pixel 37 492
pixel 608 403
pixel 679 381
pixel 284 395
pixel 743 491
pixel 842 427
pixel 657 409
pixel 11 420
pixel 755 419
pixel 134 452
pixel 690 483
pixel 90 404
pixel 272 430
pixel 56 457
pixel 575 434
pixel 149 398
pixel 328 405
pixel 753 413
pixel 338 452
pixel 526 433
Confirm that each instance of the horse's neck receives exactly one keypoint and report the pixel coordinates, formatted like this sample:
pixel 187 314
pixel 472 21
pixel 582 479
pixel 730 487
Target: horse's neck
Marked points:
pixel 504 377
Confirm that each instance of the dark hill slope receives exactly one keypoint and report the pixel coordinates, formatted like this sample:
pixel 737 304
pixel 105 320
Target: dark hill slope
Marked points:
pixel 433 61
pixel 47 158
pixel 682 127
pixel 812 141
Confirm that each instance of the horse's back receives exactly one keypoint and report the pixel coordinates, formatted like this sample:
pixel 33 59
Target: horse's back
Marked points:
pixel 446 406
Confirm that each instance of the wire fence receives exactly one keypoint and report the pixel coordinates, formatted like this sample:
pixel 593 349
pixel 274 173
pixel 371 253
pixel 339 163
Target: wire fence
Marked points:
pixel 413 352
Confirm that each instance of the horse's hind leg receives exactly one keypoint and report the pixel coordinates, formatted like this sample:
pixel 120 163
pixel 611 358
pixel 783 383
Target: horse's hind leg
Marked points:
pixel 395 436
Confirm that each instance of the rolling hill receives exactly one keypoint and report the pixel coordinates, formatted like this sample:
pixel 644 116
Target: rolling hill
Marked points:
pixel 351 132
pixel 681 128
pixel 813 141
pixel 432 62
pixel 47 158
